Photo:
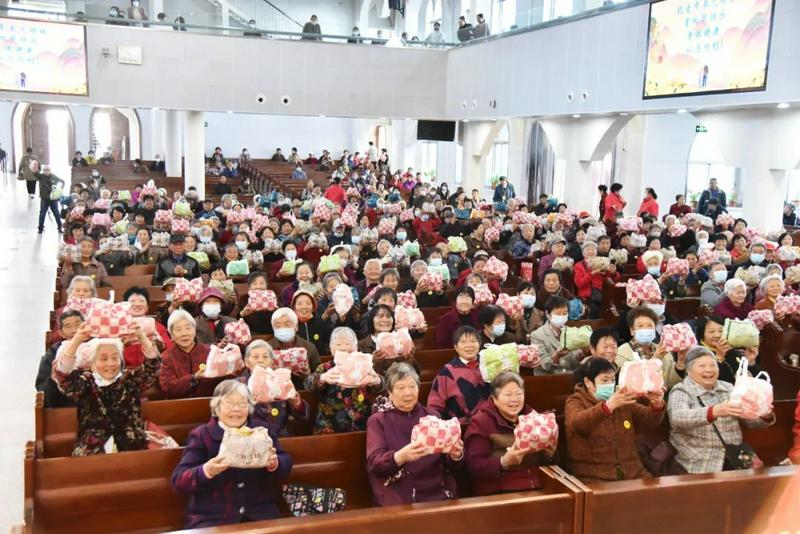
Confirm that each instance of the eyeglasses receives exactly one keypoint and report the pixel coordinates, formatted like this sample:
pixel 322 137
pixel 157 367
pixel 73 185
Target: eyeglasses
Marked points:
pixel 231 405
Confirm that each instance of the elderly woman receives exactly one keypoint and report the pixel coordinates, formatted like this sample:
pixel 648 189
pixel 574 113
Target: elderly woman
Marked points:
pixel 68 324
pixel 642 322
pixel 326 309
pixel 400 471
pixel 523 247
pixel 702 419
pixel 551 287
pixel 712 291
pixel 341 409
pixel 494 462
pixel 181 376
pixel 220 494
pixel 303 276
pixel 589 282
pixel 285 325
pixel 381 319
pixel 258 321
pixel 80 288
pixel 210 321
pixel 547 338
pixel 602 425
pixel 277 413
pixel 709 334
pixel 138 298
pixel 310 327
pixel 734 305
pixel 531 317
pixel 107 397
pixel 87 266
pixel 772 286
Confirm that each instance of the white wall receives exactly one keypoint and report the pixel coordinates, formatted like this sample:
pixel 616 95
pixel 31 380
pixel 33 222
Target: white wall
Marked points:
pixel 667 143
pixel 335 17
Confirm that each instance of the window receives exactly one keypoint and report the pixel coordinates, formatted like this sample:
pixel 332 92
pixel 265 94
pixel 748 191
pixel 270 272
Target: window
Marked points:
pixel 428 159
pixel 497 160
pixel 706 162
pixel 554 9
pixel 102 131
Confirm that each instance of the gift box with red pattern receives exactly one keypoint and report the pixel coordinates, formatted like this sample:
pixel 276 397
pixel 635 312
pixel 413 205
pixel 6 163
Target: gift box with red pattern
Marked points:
pixel 521 217
pixel 536 432
pixel 295 359
pixel 350 370
pixel 483 295
pixel 725 220
pixel 76 213
pixel 432 280
pixel 259 223
pixel 678 267
pixel 787 305
pixel 392 209
pixel 234 217
pixel 644 290
pixel 350 216
pixel 223 362
pixel 101 219
pixel 249 214
pixel 149 189
pixel 407 215
pixel 180 226
pixel 163 217
pixel 761 318
pixel 496 268
pixel 110 320
pixel 708 256
pixel 642 376
pixel 84 306
pixel 269 385
pixel 511 305
pixel 678 337
pixel 238 332
pixel 262 300
pixel 395 344
pixel 438 435
pixel 188 290
pixel 407 299
pixel 102 204
pixel 411 318
pixel 529 356
pixel 677 229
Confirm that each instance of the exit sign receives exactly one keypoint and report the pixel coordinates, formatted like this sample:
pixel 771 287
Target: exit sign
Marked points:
pixel 700 129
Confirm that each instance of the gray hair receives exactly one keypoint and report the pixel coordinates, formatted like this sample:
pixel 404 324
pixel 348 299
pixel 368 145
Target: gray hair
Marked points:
pixel 397 372
pixel 504 379
pixel 343 331
pixel 281 313
pixel 258 344
pixel 418 263
pixel 330 276
pixel 82 278
pixel 227 388
pixel 732 284
pixel 589 243
pixel 767 279
pixel 96 343
pixel 695 353
pixel 180 315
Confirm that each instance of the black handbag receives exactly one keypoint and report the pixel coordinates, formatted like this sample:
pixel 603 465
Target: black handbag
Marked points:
pixel 309 500
pixel 741 456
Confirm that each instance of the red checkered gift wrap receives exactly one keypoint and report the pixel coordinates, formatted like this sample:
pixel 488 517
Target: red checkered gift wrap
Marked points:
pixel 787 305
pixel 110 320
pixel 511 305
pixel 352 192
pixel 387 225
pixel 163 217
pixel 149 189
pixel 238 332
pixel 677 230
pixel 269 385
pixel 82 305
pixel 708 256
pixel 223 362
pixel 752 234
pixel 350 216
pixel 536 432
pixel 395 344
pixel 259 223
pixel 392 209
pixel 322 212
pixel 234 217
pixel 406 215
pixel 102 204
pixel 526 271
pixel 644 290
pixel 101 219
pixel 496 268
pixel 629 224
pixel 433 280
pixel 343 300
pixel 492 235
pixel 678 337
pixel 350 370
pixel 76 212
pixel 678 267
pixel 725 220
pixel 262 300
pixel 188 290
pixel 642 376
pixel 761 318
pixel 438 435
pixel 411 318
pixel 483 295
pixel 521 217
pixel 180 226
pixel 294 359
pixel 407 299
pixel 249 214
pixel 529 356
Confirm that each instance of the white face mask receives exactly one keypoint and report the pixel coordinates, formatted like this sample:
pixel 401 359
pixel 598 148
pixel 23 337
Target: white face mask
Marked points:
pixel 528 301
pixel 720 276
pixel 211 310
pixel 241 245
pixel 658 309
pixel 290 254
pixel 103 382
pixel 558 320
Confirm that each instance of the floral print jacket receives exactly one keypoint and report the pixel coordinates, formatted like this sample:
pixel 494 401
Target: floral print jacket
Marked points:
pixel 341 409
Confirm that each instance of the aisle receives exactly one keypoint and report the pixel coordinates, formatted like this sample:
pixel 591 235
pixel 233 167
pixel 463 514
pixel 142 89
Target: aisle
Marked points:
pixel 27 280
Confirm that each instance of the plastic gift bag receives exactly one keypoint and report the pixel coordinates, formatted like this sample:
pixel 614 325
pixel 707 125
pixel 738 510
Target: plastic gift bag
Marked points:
pixel 387 225
pixel 725 220
pixel 262 300
pixel 483 295
pixel 619 255
pixel 350 370
pixel 342 298
pixel 223 362
pixel 598 263
pixel 575 309
pixel 238 332
pixel 395 344
pixel 163 217
pixel 70 253
pixel 247 448
pixel 288 268
pixel 511 305
pixel 456 244
pixel 441 270
pixel 642 376
pixel 110 320
pixel 411 248
pixel 101 219
pixel 201 258
pixel 787 304
pixel 575 337
pixel 254 258
pixel 237 268
pixel 329 263
pixel 269 385
pixel 188 290
pixel 160 239
pixel 761 318
pixel 752 393
pixel 536 432
pixel 180 226
pixel 740 334
pixel 529 356
pixel 147 324
pixel 295 359
pixel 563 263
pixel 438 435
pixel 708 256
pixel 411 318
pixel 495 359
pixel 491 235
pixel 83 355
pixel 677 229
pixel 629 224
pixel 638 241
pixel 120 228
pixel 678 337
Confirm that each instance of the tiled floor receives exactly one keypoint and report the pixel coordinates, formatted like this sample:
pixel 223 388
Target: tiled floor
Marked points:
pixel 27 280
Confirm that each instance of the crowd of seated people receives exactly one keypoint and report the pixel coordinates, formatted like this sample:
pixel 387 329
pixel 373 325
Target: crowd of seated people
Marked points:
pixel 384 247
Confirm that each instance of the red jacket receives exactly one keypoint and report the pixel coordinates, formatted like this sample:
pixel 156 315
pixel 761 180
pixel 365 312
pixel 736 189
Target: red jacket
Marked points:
pixel 614 203
pixel 335 194
pixel 177 369
pixel 585 280
pixel 449 323
pixel 680 211
pixel 649 206
pixel 133 354
pixel 425 229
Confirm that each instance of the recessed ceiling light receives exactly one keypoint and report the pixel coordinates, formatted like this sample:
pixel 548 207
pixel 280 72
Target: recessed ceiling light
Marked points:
pixel 466 120
pixel 624 114
pixel 322 116
pixel 783 105
pixel 576 116
pixel 681 110
pixel 230 112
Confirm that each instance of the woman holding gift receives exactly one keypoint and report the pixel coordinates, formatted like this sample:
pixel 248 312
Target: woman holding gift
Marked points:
pixel 547 338
pixel 702 418
pixel 210 322
pixel 734 305
pixel 107 397
pixel 462 314
pixel 709 333
pixel 380 319
pixel 590 279
pixel 493 321
pixel 494 460
pixel 642 322
pixel 88 266
pixel 277 413
pixel 303 276
pixel 220 494
pixel 285 325
pixel 257 320
pixel 402 471
pixel 602 425
pixel 138 298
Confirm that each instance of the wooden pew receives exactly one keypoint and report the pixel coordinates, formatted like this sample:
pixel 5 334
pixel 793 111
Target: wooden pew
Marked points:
pixel 774 350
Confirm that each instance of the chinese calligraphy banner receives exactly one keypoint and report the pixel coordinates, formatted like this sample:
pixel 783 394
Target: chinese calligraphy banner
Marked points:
pixel 707 46
pixel 42 57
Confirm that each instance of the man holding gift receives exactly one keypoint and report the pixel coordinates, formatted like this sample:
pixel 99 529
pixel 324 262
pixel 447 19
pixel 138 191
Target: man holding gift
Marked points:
pixel 176 264
pixel 47 185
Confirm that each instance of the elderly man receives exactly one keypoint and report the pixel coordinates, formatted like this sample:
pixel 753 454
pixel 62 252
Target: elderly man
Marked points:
pixel 284 326
pixel 176 263
pixel 222 188
pixel 372 275
pixel 47 185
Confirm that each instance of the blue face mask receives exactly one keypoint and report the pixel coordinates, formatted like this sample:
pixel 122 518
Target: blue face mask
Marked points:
pixel 645 335
pixel 284 335
pixel 401 236
pixel 654 271
pixel 756 258
pixel 435 262
pixel 604 392
pixel 499 329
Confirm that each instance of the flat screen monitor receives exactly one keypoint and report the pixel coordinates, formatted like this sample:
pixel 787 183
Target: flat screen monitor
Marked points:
pixel 43 57
pixel 436 130
pixel 707 46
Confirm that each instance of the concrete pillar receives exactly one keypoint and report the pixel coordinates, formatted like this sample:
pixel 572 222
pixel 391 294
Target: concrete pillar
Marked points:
pixel 194 152
pixel 81 120
pixel 156 7
pixel 473 155
pixel 172 142
pixel 225 17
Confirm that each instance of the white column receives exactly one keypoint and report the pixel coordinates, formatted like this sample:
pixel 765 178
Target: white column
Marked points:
pixel 194 151
pixel 225 17
pixel 156 7
pixel 472 168
pixel 172 142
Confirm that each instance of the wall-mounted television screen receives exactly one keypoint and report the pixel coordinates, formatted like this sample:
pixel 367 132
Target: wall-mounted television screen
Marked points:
pixel 436 130
pixel 707 46
pixel 43 57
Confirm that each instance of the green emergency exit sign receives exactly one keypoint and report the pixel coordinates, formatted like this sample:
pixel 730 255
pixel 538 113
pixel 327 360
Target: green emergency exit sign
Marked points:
pixel 700 129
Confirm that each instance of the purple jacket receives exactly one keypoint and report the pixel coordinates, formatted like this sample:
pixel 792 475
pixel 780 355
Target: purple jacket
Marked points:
pixel 546 263
pixel 233 496
pixel 726 310
pixel 457 391
pixel 424 480
pixel 449 323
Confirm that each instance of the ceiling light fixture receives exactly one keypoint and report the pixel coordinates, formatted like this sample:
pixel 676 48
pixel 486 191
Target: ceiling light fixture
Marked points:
pixel 576 116
pixel 783 105
pixel 681 111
